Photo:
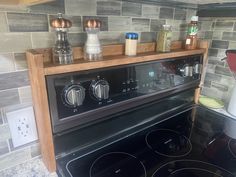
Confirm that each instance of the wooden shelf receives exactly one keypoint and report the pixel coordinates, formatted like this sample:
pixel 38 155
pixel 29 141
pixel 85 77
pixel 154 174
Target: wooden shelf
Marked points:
pixel 110 61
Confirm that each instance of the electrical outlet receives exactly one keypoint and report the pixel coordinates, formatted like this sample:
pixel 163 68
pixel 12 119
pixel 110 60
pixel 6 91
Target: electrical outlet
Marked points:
pixel 22 126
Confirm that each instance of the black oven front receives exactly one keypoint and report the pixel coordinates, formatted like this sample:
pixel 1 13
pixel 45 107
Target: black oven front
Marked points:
pixel 81 98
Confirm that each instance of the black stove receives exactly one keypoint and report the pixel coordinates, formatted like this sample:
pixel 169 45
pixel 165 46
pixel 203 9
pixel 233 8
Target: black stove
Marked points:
pixel 138 120
pixel 180 146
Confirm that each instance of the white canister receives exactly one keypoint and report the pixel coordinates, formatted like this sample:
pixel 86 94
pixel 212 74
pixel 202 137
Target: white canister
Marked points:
pixel 232 103
pixel 131 42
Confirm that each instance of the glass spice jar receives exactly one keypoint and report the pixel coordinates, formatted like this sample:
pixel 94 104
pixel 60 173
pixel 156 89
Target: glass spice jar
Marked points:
pixel 164 39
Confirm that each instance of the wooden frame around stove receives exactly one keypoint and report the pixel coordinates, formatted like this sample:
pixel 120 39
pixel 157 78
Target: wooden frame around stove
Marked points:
pixel 41 64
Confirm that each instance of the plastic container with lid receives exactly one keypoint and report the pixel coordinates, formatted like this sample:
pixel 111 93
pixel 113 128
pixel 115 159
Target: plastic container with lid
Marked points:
pixel 131 42
pixel 191 39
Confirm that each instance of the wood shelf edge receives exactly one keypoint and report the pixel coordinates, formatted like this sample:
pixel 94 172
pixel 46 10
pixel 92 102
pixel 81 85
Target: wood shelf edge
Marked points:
pixel 111 61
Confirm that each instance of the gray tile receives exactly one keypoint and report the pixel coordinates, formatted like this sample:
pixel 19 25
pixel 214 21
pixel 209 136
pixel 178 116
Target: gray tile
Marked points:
pixel 24 22
pixel 119 23
pixel 35 150
pixel 25 94
pixel 54 7
pixel 212 92
pixel 207 84
pixel 221 53
pixel 156 25
pixel 205 25
pixel 15 42
pixel 43 40
pixel 210 68
pixel 217 35
pixel 220 44
pixel 180 14
pixel 140 24
pixel 231 36
pixel 77 39
pixel 177 25
pixel 14 158
pixel 104 21
pixel 215 62
pixel 3 147
pixel 213 77
pixel 20 61
pixel 131 9
pixel 81 7
pixel 76 22
pixel 150 11
pixel 111 38
pixel 109 8
pixel 222 71
pixel 208 34
pixel 6 63
pixel 220 87
pixel 148 36
pixel 166 13
pixel 178 35
pixel 213 52
pixel 3 22
pixel 14 80
pixel 223 25
pixel 4 132
pixel 232 45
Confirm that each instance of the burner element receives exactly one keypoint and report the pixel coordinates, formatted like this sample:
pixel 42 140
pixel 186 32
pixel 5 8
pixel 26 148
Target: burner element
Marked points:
pixel 168 143
pixel 191 168
pixel 117 164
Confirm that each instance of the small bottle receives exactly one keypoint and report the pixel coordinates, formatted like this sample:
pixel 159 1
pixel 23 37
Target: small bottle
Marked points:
pixel 191 40
pixel 164 39
pixel 131 42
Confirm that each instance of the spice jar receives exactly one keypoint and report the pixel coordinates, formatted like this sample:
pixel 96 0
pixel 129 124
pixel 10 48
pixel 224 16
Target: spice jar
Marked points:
pixel 164 39
pixel 131 42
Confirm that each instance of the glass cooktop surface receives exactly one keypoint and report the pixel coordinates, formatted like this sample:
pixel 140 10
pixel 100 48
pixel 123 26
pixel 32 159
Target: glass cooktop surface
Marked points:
pixel 190 144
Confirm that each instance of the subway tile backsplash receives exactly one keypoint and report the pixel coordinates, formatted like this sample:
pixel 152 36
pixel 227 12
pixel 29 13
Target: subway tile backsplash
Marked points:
pixel 26 28
pixel 24 22
pixel 220 33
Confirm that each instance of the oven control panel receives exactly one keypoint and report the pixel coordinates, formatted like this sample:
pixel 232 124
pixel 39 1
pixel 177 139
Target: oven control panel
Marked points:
pixel 72 95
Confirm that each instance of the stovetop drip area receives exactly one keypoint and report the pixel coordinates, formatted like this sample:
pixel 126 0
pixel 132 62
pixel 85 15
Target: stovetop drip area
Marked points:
pixel 190 143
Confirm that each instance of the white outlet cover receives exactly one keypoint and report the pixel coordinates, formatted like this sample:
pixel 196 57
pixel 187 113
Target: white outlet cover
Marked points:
pixel 22 126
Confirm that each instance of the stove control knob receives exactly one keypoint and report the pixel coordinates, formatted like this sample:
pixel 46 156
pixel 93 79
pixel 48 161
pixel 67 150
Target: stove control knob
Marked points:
pixel 74 95
pixel 100 89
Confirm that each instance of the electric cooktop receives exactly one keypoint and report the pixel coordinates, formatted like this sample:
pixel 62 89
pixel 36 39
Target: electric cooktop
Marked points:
pixel 190 144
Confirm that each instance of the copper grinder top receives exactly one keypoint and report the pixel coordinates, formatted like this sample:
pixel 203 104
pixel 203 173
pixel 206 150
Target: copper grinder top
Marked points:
pixel 60 22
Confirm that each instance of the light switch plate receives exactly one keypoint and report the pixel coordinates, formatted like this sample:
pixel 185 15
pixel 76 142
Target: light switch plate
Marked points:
pixel 22 126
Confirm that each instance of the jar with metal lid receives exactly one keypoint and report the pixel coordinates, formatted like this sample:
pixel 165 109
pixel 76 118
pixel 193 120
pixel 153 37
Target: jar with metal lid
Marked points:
pixel 164 39
pixel 131 42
